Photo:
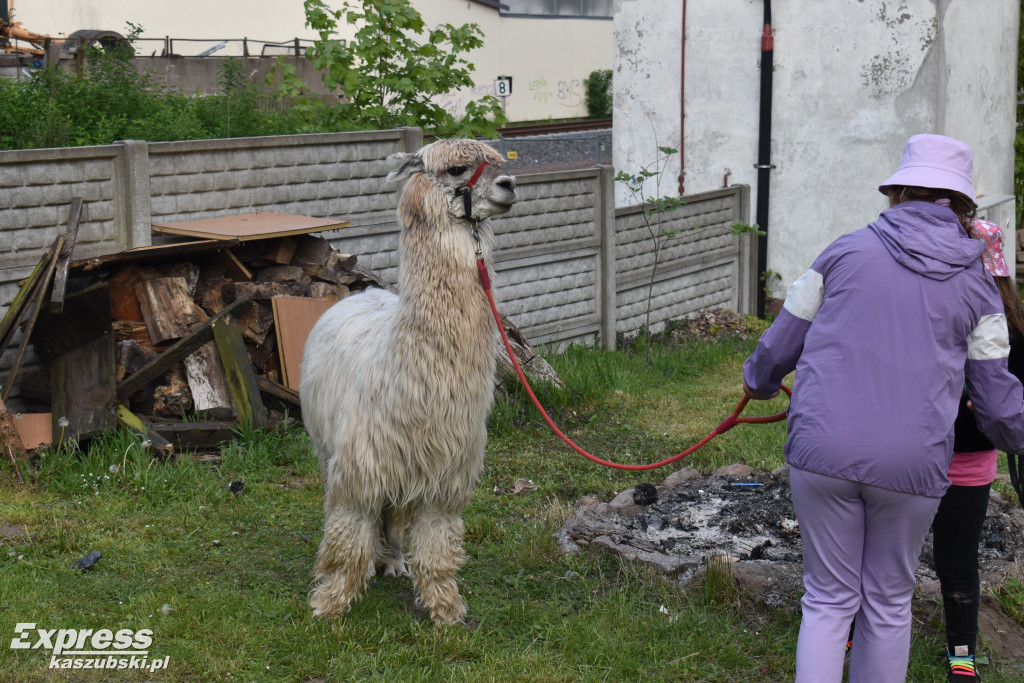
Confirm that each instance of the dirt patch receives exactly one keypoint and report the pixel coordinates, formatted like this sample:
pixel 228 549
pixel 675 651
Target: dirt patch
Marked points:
pixel 12 534
pixel 747 516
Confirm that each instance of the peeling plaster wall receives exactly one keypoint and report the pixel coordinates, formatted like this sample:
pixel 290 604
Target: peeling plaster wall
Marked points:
pixel 852 81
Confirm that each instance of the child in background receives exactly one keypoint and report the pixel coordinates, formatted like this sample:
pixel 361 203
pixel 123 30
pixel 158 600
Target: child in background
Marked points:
pixel 958 523
pixel 881 332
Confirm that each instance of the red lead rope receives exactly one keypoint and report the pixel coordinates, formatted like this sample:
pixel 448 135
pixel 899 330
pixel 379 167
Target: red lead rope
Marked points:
pixel 726 425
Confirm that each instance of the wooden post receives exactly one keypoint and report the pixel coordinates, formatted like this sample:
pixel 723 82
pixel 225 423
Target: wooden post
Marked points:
pixel 245 392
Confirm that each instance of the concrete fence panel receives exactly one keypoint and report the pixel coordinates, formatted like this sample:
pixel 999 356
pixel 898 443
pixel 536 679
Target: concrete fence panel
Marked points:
pixel 570 268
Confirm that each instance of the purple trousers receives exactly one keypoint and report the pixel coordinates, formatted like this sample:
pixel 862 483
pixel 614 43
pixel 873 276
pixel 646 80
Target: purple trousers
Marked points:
pixel 861 546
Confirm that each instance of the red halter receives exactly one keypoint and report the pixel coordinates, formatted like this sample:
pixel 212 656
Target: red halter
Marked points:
pixel 467 190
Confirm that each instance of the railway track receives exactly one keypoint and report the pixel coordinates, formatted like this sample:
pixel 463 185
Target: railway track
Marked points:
pixel 554 128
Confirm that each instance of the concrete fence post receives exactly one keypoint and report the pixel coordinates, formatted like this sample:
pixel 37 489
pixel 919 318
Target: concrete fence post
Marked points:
pixel 412 138
pixel 135 227
pixel 604 224
pixel 747 277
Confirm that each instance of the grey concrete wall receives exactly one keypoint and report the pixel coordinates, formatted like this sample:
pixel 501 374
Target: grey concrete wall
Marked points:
pixel 852 80
pixel 569 266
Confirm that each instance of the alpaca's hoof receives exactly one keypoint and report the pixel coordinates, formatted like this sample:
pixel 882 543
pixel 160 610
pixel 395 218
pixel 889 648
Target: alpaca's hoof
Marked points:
pixel 449 615
pixel 325 605
pixel 327 611
pixel 394 567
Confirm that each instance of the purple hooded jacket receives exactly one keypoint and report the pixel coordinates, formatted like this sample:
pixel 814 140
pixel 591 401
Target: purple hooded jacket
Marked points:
pixel 881 332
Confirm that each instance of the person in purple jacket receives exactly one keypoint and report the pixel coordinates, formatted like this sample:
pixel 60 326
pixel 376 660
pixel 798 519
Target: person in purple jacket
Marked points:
pixel 883 331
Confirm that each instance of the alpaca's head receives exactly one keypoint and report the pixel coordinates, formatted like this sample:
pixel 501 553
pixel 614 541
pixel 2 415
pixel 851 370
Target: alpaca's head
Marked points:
pixel 443 172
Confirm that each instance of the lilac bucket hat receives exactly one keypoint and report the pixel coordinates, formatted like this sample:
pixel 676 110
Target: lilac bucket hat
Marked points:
pixel 936 162
pixel 992 235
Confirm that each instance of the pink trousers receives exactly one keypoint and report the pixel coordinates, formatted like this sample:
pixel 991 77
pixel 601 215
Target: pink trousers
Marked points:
pixel 861 546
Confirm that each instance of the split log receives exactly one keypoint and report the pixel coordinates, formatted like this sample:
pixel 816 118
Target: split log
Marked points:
pixel 173 398
pixel 167 308
pixel 124 304
pixel 134 330
pixel 131 357
pixel 320 261
pixel 532 363
pixel 256 322
pixel 327 290
pixel 281 251
pixel 207 382
pixel 265 291
pixel 175 353
pixel 282 274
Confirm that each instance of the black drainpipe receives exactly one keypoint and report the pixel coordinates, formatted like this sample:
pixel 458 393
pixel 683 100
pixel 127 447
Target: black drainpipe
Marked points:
pixel 764 154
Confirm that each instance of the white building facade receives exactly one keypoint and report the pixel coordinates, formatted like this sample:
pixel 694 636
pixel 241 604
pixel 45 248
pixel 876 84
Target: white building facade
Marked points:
pixel 548 48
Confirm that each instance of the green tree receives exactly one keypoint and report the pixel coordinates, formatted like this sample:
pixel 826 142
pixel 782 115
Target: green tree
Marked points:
pixel 395 66
pixel 599 94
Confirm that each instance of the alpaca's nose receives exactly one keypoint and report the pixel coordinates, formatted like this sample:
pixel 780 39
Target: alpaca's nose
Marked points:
pixel 506 182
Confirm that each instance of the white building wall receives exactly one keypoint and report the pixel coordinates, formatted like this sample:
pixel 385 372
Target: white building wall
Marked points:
pixel 548 58
pixel 852 81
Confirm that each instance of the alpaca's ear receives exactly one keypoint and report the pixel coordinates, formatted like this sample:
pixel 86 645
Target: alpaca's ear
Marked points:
pixel 403 165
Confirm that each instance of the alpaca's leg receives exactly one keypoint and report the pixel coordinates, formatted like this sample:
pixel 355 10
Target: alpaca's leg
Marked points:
pixel 390 555
pixel 436 545
pixel 344 562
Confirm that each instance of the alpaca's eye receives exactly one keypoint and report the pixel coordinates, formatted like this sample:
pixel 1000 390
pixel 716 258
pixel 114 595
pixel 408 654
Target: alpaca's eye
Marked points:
pixel 457 170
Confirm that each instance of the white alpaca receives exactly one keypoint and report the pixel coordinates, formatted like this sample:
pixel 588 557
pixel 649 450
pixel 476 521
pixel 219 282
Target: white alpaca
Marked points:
pixel 396 389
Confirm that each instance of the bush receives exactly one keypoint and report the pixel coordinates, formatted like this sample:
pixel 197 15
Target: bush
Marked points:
pixel 599 94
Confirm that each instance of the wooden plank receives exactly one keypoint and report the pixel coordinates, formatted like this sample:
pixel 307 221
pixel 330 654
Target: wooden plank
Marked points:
pixel 85 317
pixel 161 253
pixel 251 226
pixel 294 318
pixel 232 267
pixel 278 391
pixel 186 435
pixel 245 392
pixel 207 380
pixel 177 352
pixel 35 429
pixel 161 446
pixel 34 306
pixel 83 389
pixel 60 279
pixel 29 288
pixel 167 307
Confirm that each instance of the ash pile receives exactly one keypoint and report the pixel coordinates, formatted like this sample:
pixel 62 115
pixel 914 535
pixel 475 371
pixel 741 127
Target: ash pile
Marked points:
pixel 747 516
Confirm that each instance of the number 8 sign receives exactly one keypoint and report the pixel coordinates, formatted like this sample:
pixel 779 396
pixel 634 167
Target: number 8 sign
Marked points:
pixel 503 86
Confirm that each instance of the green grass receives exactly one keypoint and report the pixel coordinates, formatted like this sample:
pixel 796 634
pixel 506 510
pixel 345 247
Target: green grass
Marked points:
pixel 235 570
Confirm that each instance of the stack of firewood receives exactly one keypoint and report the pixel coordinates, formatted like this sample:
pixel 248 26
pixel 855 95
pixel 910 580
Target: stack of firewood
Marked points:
pixel 182 341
